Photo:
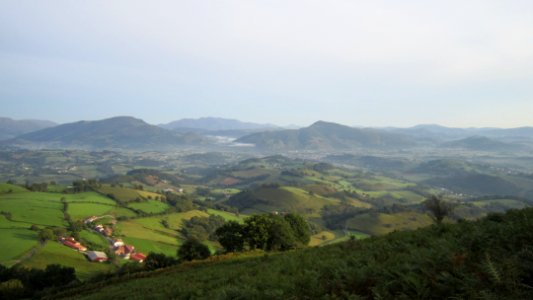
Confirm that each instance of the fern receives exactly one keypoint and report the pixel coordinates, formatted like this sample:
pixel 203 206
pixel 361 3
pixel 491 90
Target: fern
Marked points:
pixel 491 269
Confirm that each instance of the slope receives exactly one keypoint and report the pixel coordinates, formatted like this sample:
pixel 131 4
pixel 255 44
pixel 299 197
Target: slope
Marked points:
pixel 489 259
pixel 117 132
pixel 326 136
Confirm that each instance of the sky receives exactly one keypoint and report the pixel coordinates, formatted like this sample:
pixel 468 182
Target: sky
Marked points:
pixel 377 63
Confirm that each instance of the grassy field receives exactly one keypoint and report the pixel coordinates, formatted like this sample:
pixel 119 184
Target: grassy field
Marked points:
pixel 95 239
pixel 126 194
pixel 16 242
pixel 149 235
pixel 147 246
pixel 150 206
pixel 227 215
pixel 34 208
pixel 79 211
pixel 91 197
pixel 11 188
pixel 321 238
pixel 282 199
pixel 500 204
pixel 381 223
pixel 56 253
pixel 118 211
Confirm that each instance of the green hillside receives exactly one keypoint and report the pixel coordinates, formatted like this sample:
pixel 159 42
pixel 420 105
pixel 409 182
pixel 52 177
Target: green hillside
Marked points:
pixel 274 198
pixel 486 259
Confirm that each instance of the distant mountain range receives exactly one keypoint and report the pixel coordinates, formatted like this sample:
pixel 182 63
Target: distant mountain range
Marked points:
pixel 10 128
pixel 113 133
pixel 482 143
pixel 215 124
pixel 448 133
pixel 326 136
pixel 135 134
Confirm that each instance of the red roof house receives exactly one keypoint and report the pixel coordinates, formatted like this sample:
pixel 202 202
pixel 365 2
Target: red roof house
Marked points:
pixel 138 257
pixel 74 245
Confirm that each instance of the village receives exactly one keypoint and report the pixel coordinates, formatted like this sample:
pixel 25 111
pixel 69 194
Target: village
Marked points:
pixel 116 245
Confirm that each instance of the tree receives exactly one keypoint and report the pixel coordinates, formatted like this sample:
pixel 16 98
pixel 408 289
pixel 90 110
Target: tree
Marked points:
pixel 45 235
pixel 438 208
pixel 257 231
pixel 193 249
pixel 231 236
pixel 158 260
pixel 280 235
pixel 300 228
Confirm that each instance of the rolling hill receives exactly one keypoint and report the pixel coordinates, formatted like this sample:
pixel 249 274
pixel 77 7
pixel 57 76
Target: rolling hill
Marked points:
pixel 114 133
pixel 215 124
pixel 274 198
pixel 326 136
pixel 481 143
pixel 10 128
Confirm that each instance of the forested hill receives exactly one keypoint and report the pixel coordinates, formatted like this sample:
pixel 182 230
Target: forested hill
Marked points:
pixel 326 136
pixel 113 133
pixel 487 259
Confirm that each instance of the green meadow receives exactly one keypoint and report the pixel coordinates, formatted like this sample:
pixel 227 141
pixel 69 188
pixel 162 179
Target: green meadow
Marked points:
pixel 16 242
pixel 80 211
pixel 150 206
pixel 43 209
pixel 56 253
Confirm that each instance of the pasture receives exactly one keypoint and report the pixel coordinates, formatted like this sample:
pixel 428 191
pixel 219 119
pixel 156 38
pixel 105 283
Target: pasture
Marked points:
pixel 381 223
pixel 43 209
pixel 150 206
pixel 15 243
pixel 79 211
pixel 56 253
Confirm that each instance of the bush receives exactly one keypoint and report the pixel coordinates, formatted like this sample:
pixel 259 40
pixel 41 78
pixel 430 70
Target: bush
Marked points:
pixel 193 249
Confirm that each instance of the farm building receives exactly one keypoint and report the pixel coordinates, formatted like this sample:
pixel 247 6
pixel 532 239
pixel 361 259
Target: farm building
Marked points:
pixel 97 256
pixel 117 243
pixel 124 251
pixel 91 219
pixel 138 257
pixel 108 231
pixel 72 243
pixel 75 245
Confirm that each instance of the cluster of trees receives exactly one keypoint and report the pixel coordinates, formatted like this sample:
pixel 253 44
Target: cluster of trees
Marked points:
pixel 37 187
pixel 335 216
pixel 18 282
pixel 180 203
pixel 79 186
pixel 267 232
pixel 202 228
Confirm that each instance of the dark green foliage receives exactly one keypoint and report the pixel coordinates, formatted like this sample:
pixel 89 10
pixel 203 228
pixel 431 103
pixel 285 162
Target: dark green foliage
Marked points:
pixel 267 232
pixel 335 216
pixel 19 282
pixel 231 236
pixel 487 259
pixel 280 235
pixel 158 260
pixel 193 249
pixel 181 202
pixel 37 187
pixel 46 235
pixel 300 228
pixel 256 231
pixel 202 228
pixel 439 208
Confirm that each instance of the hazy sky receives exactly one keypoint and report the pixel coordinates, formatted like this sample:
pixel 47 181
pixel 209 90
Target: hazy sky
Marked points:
pixel 371 63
